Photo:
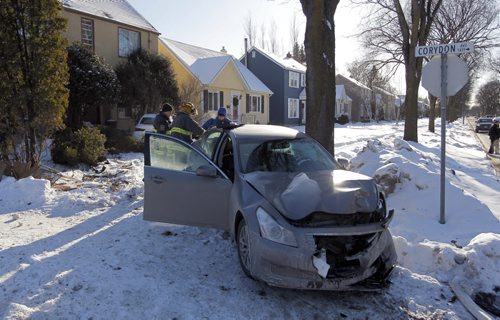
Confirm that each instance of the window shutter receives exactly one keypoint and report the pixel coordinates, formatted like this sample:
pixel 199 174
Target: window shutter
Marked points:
pixel 262 104
pixel 221 99
pixel 205 100
pixel 248 103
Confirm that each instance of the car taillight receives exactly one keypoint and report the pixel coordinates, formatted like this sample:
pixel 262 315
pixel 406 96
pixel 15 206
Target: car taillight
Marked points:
pixel 140 129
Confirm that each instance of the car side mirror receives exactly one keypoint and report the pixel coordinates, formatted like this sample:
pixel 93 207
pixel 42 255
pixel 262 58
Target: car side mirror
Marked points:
pixel 343 163
pixel 206 171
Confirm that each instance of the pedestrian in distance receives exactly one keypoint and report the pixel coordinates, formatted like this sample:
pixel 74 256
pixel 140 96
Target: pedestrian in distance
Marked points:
pixel 220 121
pixel 184 127
pixel 163 120
pixel 494 134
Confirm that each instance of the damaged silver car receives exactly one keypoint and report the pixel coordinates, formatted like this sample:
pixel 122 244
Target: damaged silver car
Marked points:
pixel 298 219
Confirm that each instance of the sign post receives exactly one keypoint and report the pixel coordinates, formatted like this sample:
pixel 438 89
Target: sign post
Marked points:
pixel 444 77
pixel 444 84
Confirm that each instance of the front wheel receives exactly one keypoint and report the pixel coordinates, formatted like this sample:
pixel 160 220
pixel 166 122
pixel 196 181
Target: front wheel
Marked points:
pixel 244 249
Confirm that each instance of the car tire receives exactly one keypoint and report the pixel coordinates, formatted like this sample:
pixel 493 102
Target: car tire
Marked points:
pixel 244 248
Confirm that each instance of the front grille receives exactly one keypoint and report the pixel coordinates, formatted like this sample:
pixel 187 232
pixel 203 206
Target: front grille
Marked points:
pixel 344 245
pixel 338 250
pixel 323 219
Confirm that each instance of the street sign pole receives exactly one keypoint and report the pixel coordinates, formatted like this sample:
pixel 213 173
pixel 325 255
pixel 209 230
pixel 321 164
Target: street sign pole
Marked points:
pixel 444 75
pixel 444 84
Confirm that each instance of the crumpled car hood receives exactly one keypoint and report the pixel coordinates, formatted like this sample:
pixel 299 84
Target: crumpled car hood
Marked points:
pixel 296 195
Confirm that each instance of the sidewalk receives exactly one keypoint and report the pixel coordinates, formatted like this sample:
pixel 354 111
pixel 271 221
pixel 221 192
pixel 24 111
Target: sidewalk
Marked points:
pixel 495 160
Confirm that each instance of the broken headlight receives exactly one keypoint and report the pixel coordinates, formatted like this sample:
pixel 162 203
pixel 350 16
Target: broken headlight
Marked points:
pixel 271 230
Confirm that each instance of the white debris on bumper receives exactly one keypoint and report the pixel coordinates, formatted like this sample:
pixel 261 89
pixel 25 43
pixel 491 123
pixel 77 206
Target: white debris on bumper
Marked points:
pixel 320 263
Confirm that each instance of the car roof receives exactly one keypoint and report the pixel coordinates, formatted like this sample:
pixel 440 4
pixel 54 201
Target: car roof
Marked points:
pixel 265 132
pixel 149 115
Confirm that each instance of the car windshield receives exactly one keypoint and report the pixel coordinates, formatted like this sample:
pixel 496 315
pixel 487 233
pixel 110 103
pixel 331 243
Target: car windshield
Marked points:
pixel 485 120
pixel 147 120
pixel 290 155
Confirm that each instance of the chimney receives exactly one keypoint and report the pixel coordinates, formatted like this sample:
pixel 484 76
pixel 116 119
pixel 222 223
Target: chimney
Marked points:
pixel 246 52
pixel 223 50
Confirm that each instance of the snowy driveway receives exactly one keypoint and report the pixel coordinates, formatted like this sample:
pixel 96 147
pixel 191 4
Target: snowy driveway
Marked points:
pixel 87 253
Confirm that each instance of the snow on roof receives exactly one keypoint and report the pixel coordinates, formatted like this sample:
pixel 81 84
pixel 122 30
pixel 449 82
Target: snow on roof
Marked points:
pixel 356 82
pixel 254 84
pixel 206 64
pixel 286 63
pixel 189 53
pixel 384 92
pixel 117 10
pixel 303 94
pixel 207 69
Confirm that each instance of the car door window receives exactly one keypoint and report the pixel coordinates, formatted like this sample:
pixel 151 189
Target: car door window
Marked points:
pixel 209 143
pixel 173 155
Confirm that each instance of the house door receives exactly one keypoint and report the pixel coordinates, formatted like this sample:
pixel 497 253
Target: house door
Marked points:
pixel 303 111
pixel 235 106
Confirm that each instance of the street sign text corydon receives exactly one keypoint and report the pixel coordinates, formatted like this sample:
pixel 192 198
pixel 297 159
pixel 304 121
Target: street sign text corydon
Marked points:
pixel 456 48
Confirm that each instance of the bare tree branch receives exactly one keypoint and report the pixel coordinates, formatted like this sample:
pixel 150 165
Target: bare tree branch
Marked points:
pixel 250 29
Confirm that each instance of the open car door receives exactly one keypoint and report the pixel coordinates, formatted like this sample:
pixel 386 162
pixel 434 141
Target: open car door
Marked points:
pixel 182 186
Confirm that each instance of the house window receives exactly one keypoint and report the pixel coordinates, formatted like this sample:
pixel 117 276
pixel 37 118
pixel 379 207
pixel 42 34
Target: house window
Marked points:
pixel 88 34
pixel 213 100
pixel 302 79
pixel 293 108
pixel 255 104
pixel 253 54
pixel 128 42
pixel 293 79
pixel 122 113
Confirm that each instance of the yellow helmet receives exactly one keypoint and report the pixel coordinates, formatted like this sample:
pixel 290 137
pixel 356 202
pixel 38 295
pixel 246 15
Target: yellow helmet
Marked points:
pixel 188 108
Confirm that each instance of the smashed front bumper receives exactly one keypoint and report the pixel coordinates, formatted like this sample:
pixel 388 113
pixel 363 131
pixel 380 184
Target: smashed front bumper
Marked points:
pixel 359 258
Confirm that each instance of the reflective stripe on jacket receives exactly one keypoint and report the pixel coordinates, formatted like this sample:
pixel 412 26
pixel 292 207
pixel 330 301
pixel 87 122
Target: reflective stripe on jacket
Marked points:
pixel 181 131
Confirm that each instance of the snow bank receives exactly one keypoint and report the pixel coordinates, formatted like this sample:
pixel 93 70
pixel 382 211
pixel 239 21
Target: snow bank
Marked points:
pixel 24 194
pixel 477 264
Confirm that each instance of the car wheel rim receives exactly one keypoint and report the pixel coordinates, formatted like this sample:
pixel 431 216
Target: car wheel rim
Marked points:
pixel 244 246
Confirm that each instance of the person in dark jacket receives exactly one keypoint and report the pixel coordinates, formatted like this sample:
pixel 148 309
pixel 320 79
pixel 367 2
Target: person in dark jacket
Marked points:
pixel 163 121
pixel 219 122
pixel 184 127
pixel 494 134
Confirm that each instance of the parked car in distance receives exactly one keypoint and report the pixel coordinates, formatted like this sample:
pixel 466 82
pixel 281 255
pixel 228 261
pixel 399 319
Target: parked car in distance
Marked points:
pixel 484 124
pixel 298 219
pixel 144 125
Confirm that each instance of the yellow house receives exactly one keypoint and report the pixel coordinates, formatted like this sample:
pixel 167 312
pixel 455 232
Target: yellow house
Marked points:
pixel 112 29
pixel 213 79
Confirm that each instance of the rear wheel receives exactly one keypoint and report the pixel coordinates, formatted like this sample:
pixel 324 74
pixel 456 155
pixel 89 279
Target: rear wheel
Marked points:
pixel 244 249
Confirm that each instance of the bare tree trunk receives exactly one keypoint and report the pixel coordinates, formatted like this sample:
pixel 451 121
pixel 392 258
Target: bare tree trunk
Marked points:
pixel 432 112
pixel 320 56
pixel 273 42
pixel 411 104
pixel 250 29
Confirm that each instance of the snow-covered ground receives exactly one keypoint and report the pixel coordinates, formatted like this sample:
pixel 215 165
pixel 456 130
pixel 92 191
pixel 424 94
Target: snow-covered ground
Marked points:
pixel 86 253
